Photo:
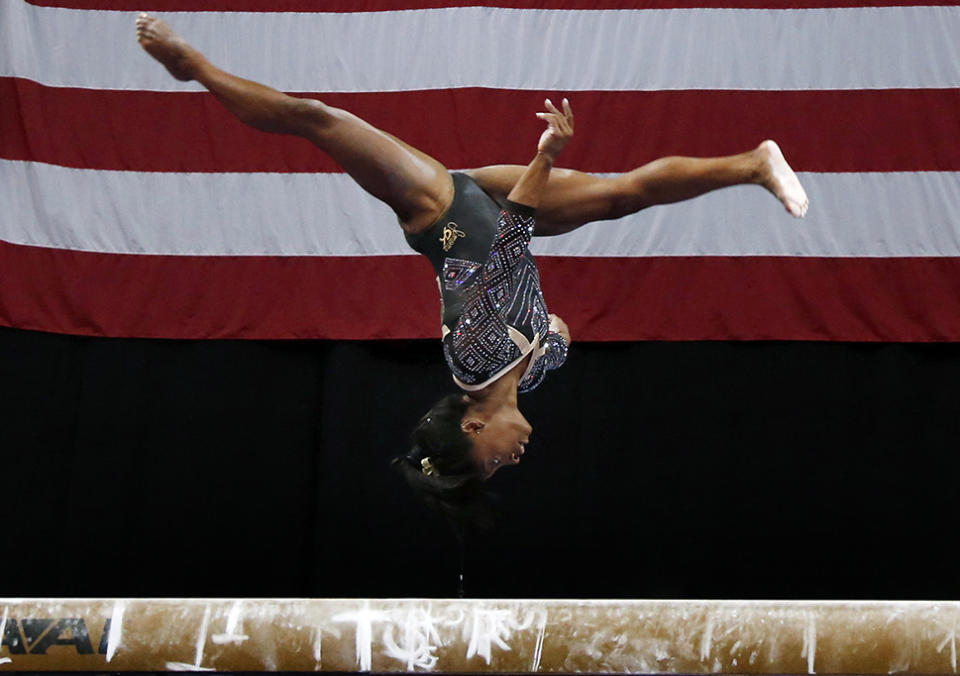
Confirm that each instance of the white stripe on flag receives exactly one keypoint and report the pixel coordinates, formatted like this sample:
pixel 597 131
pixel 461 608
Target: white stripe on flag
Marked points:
pixel 859 48
pixel 852 214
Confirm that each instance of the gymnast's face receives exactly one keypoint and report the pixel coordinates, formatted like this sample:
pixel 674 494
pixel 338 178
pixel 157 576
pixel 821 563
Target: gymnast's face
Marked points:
pixel 499 440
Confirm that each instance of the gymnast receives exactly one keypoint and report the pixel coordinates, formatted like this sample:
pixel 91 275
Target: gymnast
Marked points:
pixel 475 227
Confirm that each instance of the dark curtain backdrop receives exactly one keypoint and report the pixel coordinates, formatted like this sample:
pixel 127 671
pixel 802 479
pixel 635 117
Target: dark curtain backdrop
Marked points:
pixel 658 470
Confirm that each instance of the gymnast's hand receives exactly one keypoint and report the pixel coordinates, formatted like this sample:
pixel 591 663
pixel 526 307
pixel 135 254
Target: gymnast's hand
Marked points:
pixel 557 325
pixel 559 129
pixel 529 187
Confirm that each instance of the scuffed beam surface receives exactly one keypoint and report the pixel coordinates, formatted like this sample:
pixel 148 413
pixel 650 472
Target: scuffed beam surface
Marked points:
pixel 693 637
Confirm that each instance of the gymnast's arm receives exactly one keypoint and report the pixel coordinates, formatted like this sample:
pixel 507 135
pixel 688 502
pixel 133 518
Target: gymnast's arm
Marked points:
pixel 529 187
pixel 527 192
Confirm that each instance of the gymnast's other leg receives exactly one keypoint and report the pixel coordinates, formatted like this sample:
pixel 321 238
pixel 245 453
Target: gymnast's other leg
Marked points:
pixel 573 198
pixel 416 186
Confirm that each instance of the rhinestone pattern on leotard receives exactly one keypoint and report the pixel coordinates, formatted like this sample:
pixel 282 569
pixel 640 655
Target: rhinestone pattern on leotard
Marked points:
pixel 505 294
pixel 456 272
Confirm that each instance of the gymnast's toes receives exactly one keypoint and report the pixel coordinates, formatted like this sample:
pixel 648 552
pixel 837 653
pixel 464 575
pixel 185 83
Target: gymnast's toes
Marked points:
pixel 159 40
pixel 780 179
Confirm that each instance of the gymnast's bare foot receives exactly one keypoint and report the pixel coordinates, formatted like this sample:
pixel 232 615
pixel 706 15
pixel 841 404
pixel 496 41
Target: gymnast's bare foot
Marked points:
pixel 155 36
pixel 777 177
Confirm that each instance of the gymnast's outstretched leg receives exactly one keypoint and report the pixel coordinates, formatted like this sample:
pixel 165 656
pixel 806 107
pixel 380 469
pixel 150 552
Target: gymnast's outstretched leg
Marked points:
pixel 573 198
pixel 413 184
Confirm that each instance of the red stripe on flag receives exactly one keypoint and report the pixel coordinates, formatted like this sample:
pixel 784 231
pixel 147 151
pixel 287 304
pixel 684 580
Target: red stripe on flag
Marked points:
pixel 674 298
pixel 217 297
pixel 391 5
pixel 826 131
pixel 756 298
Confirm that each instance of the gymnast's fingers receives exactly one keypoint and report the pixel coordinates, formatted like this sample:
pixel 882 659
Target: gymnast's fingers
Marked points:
pixel 552 108
pixel 568 112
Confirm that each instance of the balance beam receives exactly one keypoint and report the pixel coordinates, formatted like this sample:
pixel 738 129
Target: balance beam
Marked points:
pixel 496 636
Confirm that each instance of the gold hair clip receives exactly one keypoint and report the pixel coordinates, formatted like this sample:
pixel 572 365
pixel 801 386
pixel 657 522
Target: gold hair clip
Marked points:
pixel 427 467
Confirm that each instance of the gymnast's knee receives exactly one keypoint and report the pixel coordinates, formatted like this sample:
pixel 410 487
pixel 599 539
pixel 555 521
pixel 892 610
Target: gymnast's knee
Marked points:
pixel 311 118
pixel 628 194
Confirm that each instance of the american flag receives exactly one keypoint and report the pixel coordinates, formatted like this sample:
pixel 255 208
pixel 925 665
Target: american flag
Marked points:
pixel 132 204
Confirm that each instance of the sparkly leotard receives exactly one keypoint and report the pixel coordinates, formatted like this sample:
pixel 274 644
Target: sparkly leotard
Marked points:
pixel 493 310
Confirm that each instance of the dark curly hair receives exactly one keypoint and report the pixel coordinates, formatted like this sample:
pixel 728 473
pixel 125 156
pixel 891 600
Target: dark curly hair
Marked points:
pixel 454 485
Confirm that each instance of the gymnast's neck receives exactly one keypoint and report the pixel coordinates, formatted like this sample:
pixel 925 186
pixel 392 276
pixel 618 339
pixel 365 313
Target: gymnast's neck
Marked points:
pixel 501 392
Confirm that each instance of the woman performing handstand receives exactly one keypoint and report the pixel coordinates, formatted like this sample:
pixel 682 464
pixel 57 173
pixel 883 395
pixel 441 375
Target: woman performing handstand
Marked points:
pixel 475 228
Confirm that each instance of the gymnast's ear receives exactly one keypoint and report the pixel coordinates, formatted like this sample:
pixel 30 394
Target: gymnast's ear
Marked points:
pixel 472 425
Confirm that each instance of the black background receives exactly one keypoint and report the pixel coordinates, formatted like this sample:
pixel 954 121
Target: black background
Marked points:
pixel 656 470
